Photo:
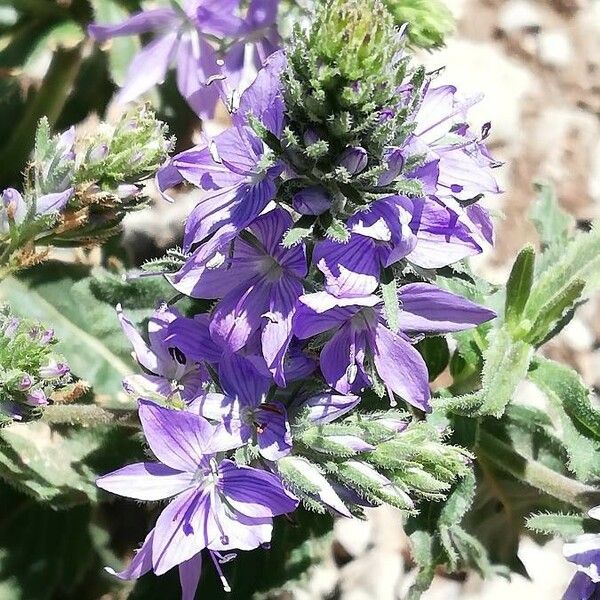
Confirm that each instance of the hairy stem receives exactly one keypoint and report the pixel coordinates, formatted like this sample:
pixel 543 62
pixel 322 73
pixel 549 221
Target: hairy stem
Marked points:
pixel 535 474
pixel 89 415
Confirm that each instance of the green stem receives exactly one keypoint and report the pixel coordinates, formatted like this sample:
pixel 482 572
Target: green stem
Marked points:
pixel 49 101
pixel 89 415
pixel 502 456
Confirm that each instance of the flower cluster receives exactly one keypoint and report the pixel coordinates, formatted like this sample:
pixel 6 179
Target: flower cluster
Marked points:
pixel 32 374
pixel 78 188
pixel 206 40
pixel 325 210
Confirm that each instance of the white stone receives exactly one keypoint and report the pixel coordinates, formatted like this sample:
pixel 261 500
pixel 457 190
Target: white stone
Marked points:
pixel 375 575
pixel 353 534
pixel 555 49
pixel 517 15
pixel 482 67
pixel 577 335
pixel 594 176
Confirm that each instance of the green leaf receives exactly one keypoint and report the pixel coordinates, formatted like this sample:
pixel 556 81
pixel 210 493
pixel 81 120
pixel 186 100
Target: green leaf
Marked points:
pixel 301 230
pixel 574 272
pixel 48 463
pixel 552 223
pixel 566 525
pixel 506 364
pixel 519 285
pixel 553 315
pixel 423 552
pixel 88 330
pixel 579 420
pixel 121 49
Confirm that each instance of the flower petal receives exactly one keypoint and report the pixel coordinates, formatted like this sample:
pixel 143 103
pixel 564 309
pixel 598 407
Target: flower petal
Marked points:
pixel 402 368
pixel 189 576
pixel 254 492
pixel 145 481
pixel 179 439
pixel 143 354
pixel 277 328
pixel 148 68
pixel 429 309
pixel 180 532
pixel 240 379
pixel 140 22
pixel 141 563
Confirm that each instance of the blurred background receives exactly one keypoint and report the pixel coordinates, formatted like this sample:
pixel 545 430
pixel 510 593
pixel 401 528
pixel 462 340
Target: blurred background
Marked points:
pixel 537 62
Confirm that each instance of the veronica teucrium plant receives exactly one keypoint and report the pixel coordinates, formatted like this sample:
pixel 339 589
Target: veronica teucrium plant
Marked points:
pixel 288 370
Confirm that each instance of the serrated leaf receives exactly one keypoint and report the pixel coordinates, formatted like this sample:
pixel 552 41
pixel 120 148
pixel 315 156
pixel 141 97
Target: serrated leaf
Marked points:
pixel 300 231
pixel 506 364
pixel 88 331
pixel 560 285
pixel 337 231
pixel 48 464
pixel 565 525
pixel 555 312
pixel 519 285
pixel 459 501
pixel 579 420
pixel 552 223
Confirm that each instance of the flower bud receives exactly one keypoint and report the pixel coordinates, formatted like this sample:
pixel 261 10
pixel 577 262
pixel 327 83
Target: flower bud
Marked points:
pixel 97 153
pixel 36 398
pixel 354 159
pixel 53 370
pixel 127 190
pixel 14 205
pixel 25 382
pixel 11 327
pixel 312 200
pixel 355 35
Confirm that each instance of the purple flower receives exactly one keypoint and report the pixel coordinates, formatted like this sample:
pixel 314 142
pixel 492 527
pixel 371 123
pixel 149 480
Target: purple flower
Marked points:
pixel 168 369
pixel 183 36
pixel 259 282
pixel 362 341
pixel 584 552
pixel 243 409
pixel 464 163
pixel 422 230
pixel 236 171
pixel 215 503
pixel 180 37
pixel 25 382
pixel 379 237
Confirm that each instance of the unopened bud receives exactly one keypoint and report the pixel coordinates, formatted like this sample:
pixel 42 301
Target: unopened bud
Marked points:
pixel 312 200
pixel 354 160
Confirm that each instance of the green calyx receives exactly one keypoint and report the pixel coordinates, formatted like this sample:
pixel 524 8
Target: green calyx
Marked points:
pixel 358 37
